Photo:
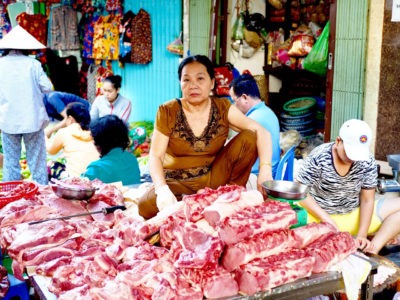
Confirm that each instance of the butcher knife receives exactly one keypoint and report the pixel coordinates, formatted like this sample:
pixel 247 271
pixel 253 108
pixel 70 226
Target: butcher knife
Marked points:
pixel 105 211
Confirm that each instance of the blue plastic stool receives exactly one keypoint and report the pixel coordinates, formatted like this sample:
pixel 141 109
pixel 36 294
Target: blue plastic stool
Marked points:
pixel 284 171
pixel 18 289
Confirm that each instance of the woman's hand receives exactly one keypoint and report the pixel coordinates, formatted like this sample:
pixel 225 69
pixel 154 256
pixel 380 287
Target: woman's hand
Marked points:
pixel 165 197
pixel 363 244
pixel 263 176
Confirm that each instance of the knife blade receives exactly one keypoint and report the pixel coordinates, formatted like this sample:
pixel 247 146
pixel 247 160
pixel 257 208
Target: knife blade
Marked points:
pixel 104 210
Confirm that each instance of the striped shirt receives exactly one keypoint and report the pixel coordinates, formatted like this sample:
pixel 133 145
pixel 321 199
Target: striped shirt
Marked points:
pixel 101 107
pixel 336 194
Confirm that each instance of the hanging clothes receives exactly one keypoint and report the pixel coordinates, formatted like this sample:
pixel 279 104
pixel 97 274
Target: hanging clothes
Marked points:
pixel 36 25
pixel 125 30
pixel 106 38
pixel 13 10
pixel 91 82
pixel 114 6
pixel 9 10
pixel 63 72
pixel 5 25
pixel 64 28
pixel 95 76
pixel 141 39
pixel 50 21
pixel 86 33
pixel 83 80
pixel 89 6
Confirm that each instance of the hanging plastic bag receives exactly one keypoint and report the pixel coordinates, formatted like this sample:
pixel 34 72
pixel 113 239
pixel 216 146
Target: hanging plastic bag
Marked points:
pixel 176 46
pixel 317 60
pixel 237 29
pixel 223 77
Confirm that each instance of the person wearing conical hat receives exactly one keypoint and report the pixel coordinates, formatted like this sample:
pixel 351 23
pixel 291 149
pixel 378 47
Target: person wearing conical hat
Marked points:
pixel 23 115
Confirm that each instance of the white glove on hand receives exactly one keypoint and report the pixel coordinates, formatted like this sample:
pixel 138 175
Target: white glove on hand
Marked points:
pixel 165 197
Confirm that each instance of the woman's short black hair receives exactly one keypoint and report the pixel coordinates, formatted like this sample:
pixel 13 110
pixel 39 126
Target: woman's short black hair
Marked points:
pixel 80 113
pixel 109 132
pixel 115 80
pixel 204 60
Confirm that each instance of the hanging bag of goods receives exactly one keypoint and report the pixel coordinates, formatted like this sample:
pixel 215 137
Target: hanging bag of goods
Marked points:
pixel 106 38
pixel 317 60
pixel 223 77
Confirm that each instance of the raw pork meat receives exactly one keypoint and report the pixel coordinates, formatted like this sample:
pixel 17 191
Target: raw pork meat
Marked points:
pixel 269 216
pixel 230 203
pixel 265 274
pixel 330 249
pixel 193 248
pixel 311 232
pixel 258 246
pixel 195 204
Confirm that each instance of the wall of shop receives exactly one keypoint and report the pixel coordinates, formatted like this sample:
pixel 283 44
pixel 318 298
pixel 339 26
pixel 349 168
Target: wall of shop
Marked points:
pixel 198 27
pixel 388 109
pixel 152 84
pixel 349 63
pixel 372 80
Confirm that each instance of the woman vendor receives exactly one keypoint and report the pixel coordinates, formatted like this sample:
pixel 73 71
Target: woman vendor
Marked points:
pixel 188 151
pixel 111 102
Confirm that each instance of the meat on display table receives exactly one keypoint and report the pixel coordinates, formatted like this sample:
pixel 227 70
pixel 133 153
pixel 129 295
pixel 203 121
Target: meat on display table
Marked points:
pixel 314 285
pixel 301 289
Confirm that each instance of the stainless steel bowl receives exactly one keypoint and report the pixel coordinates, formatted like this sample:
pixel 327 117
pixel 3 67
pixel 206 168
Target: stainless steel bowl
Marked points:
pixel 70 193
pixel 289 190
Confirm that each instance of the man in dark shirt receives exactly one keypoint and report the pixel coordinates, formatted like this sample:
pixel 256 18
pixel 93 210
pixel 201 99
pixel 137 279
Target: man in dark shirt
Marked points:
pixel 56 103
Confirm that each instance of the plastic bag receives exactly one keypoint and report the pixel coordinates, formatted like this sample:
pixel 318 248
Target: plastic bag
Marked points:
pixel 223 77
pixel 237 29
pixel 317 60
pixel 301 45
pixel 176 46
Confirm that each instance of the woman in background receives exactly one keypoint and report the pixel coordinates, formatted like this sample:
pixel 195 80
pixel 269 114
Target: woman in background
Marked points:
pixel 23 115
pixel 111 102
pixel 111 138
pixel 75 140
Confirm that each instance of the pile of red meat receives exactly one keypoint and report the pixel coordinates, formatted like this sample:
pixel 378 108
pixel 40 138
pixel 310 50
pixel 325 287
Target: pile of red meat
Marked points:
pixel 212 245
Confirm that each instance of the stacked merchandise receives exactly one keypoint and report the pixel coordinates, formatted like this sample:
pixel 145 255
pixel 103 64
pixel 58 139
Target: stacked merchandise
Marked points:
pixel 299 114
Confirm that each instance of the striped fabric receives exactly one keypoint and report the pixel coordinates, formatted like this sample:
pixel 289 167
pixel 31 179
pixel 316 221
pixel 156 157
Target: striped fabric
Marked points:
pixel 336 194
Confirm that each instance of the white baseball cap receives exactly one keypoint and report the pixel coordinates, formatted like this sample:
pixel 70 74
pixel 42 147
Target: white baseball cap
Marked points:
pixel 356 136
pixel 19 38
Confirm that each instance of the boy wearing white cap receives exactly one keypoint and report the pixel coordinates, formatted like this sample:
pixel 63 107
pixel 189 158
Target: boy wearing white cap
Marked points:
pixel 22 112
pixel 342 177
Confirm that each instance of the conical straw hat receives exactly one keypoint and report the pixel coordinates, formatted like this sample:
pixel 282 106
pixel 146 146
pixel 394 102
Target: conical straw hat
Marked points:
pixel 19 38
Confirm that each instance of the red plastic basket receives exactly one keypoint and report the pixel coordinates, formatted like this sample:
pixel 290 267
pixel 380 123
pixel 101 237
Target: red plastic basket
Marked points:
pixel 27 189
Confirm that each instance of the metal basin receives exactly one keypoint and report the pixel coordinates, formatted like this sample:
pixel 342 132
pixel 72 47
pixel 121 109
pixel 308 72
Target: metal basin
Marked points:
pixel 284 189
pixel 69 193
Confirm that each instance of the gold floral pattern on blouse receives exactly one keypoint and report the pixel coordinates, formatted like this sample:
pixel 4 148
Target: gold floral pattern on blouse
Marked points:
pixel 182 174
pixel 182 129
